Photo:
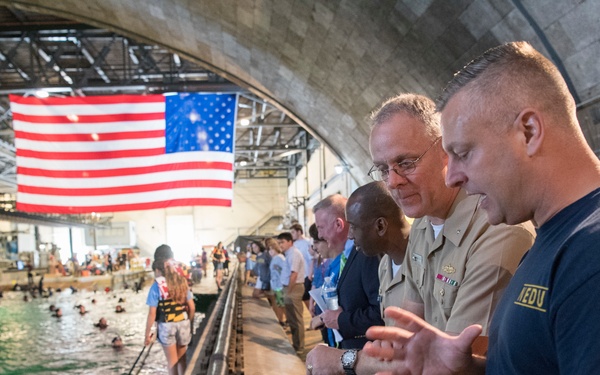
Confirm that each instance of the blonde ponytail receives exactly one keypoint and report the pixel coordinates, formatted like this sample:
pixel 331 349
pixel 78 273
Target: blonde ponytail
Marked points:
pixel 177 284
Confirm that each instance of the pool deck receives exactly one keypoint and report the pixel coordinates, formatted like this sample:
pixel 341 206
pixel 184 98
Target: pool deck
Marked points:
pixel 114 280
pixel 267 348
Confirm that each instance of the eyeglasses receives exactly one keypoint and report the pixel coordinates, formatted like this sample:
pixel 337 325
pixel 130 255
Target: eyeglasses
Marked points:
pixel 402 168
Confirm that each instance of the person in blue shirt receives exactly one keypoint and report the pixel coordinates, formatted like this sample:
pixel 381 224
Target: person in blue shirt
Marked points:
pixel 321 266
pixel 279 271
pixel 262 287
pixel 171 305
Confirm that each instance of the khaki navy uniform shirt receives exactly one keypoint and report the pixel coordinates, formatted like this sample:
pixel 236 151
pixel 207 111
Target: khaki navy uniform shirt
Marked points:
pixel 460 276
pixel 391 290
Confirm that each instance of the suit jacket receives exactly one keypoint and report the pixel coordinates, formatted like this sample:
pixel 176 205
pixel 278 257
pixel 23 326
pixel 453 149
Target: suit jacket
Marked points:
pixel 358 292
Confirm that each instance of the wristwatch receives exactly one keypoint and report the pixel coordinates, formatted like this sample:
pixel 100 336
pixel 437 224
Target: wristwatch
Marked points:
pixel 349 361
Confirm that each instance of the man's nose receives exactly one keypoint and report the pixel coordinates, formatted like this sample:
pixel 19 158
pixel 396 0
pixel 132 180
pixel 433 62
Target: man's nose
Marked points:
pixel 454 175
pixel 394 179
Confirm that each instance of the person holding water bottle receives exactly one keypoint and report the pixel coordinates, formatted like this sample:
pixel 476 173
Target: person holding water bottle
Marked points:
pixel 330 294
pixel 357 283
pixel 379 228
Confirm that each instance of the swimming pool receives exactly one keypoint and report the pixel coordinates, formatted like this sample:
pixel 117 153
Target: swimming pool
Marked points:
pixel 34 342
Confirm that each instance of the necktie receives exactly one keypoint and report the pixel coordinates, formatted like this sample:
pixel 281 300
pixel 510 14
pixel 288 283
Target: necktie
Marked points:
pixel 342 263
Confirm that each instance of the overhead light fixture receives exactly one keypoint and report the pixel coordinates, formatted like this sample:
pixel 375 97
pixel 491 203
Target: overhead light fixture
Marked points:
pixel 176 59
pixel 287 153
pixel 243 163
pixel 339 169
pixel 42 93
pixel 245 122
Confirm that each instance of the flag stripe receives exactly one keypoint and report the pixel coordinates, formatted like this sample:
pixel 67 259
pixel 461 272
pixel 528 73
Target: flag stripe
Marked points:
pixel 66 147
pixel 126 189
pixel 124 207
pixel 89 100
pixel 122 171
pixel 117 199
pixel 85 128
pixel 141 162
pixel 88 118
pixel 89 155
pixel 139 179
pixel 89 137
pixel 71 111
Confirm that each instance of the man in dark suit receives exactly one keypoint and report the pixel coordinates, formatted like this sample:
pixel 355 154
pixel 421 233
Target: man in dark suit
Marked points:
pixel 357 281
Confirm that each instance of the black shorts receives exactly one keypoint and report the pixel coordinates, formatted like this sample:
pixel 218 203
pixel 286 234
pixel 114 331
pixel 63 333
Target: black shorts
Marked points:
pixel 307 288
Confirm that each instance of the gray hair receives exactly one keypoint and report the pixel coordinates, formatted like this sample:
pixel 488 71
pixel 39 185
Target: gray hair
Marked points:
pixel 335 204
pixel 418 106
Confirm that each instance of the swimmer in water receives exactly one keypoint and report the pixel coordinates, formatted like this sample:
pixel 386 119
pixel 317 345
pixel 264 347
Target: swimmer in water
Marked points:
pixel 102 323
pixel 119 309
pixel 82 310
pixel 117 343
pixel 57 313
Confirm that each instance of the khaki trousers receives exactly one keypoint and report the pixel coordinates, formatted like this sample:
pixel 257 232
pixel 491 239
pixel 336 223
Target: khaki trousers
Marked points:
pixel 294 310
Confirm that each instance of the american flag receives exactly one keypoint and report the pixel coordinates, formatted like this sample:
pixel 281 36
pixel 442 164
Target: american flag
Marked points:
pixel 124 152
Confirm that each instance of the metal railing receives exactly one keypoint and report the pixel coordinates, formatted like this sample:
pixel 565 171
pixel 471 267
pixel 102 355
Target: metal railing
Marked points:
pixel 214 342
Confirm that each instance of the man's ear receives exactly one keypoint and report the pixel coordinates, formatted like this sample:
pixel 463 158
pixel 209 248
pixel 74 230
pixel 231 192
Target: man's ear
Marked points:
pixel 381 225
pixel 339 224
pixel 531 123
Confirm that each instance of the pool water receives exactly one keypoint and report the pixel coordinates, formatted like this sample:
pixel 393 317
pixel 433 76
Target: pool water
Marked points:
pixel 32 341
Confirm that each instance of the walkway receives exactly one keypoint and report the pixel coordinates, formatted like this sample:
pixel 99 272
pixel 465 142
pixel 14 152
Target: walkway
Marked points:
pixel 267 347
pixel 208 284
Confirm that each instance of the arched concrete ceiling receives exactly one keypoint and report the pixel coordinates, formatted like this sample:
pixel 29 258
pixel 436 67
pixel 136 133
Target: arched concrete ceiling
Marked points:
pixel 330 62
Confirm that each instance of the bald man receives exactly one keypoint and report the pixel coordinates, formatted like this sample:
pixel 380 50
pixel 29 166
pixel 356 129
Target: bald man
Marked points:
pixel 512 135
pixel 378 228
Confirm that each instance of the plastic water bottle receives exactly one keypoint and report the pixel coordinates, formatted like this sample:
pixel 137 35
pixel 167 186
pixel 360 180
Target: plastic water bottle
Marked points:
pixel 330 294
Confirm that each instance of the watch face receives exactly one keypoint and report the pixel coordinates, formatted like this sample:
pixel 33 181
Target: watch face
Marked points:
pixel 349 357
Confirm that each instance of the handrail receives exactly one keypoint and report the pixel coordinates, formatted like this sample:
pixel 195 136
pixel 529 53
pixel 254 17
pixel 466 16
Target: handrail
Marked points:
pixel 218 364
pixel 222 307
